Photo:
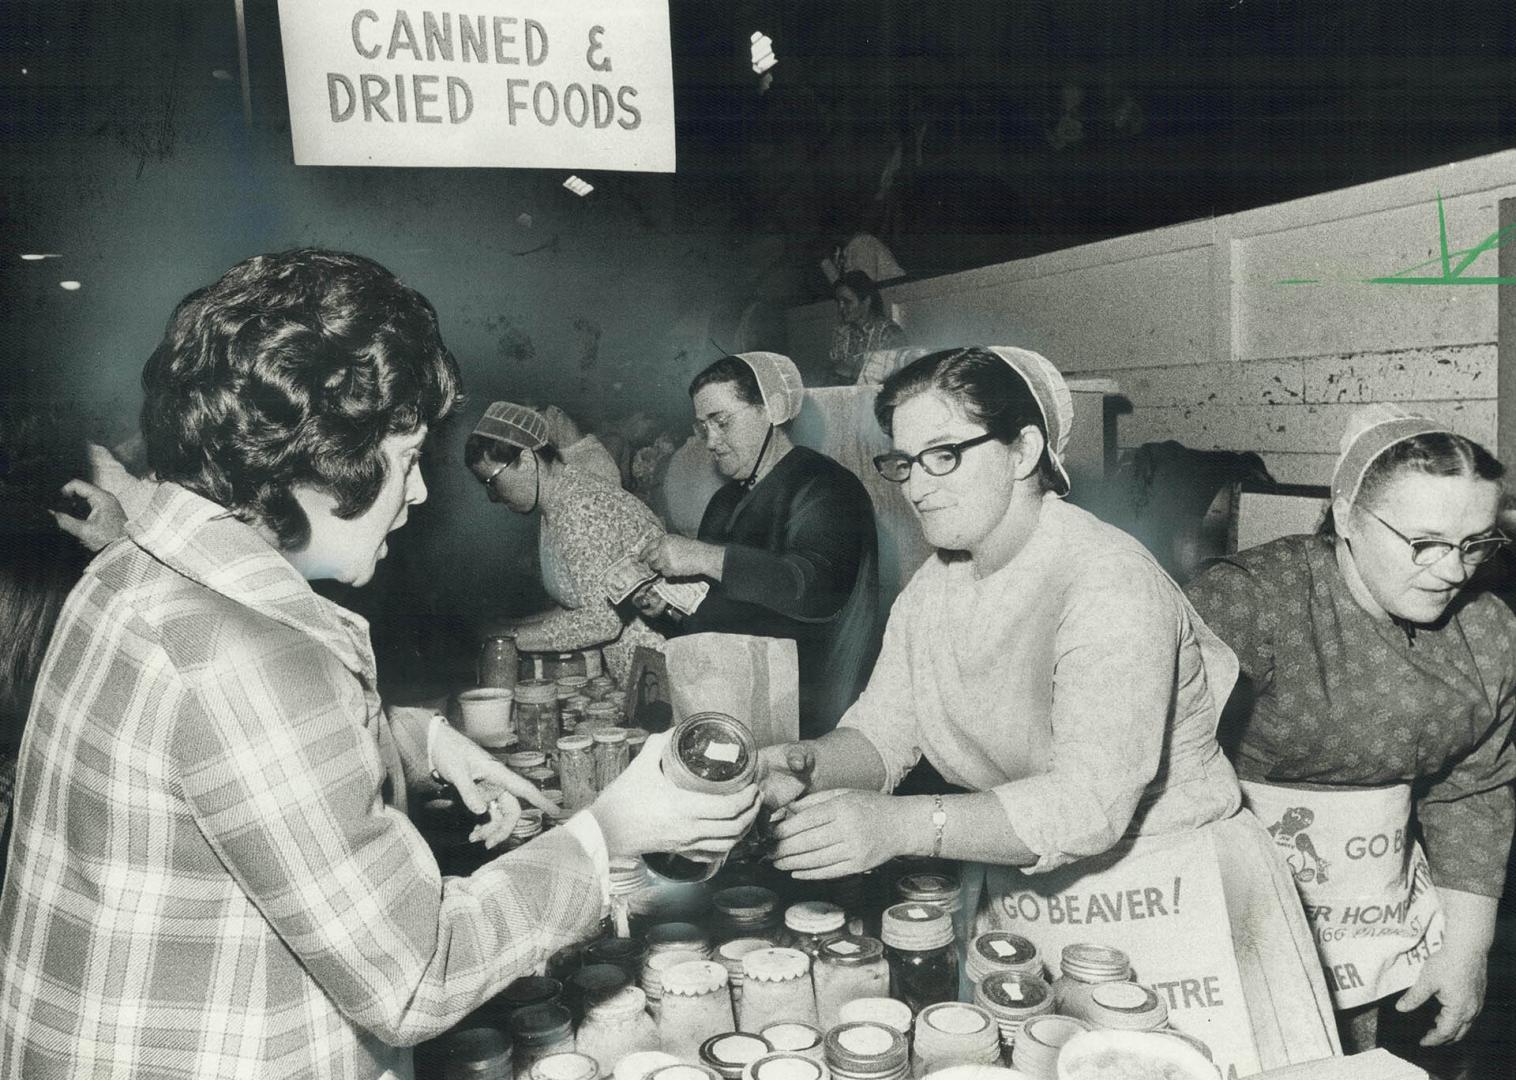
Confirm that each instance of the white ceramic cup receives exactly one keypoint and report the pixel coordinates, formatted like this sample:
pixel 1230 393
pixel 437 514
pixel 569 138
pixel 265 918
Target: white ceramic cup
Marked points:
pixel 487 715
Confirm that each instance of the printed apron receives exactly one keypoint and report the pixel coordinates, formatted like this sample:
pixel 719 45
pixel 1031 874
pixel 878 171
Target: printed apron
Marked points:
pixel 1363 879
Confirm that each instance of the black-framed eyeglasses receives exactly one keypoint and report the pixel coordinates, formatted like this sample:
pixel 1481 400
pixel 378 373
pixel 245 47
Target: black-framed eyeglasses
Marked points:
pixel 1426 551
pixel 934 460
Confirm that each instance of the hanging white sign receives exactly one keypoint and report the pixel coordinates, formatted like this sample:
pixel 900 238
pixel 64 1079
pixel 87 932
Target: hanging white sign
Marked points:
pixel 571 84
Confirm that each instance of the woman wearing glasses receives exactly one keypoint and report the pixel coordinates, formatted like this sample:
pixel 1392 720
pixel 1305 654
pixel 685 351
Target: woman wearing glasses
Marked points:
pixel 1044 662
pixel 1378 686
pixel 788 544
pixel 587 523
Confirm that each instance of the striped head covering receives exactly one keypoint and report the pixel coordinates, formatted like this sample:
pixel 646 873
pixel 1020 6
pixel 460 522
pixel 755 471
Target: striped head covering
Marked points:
pixel 514 425
pixel 1371 431
pixel 1053 399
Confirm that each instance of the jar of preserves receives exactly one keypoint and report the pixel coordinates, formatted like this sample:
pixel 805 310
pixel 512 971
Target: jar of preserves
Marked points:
pixel 918 944
pixel 550 666
pixel 654 965
pixel 880 1010
pixel 810 924
pixel 616 699
pixel 478 1053
pixel 636 739
pixel 999 950
pixel 537 719
pixel 597 715
pixel 729 954
pixel 732 1052
pixel 950 1033
pixel 617 1026
pixel 527 991
pixel 776 986
pixel 571 713
pixel 795 1037
pixel 610 755
pixel 847 968
pixel 696 1006
pixel 1125 1006
pixel 545 777
pixel 1039 1043
pixel 941 889
pixel 785 1066
pixel 567 1066
pixel 576 771
pixel 521 760
pixel 863 1050
pixel 527 826
pixel 684 1071
pixel 599 686
pixel 538 1031
pixel 497 662
pixel 744 911
pixel 594 983
pixel 1082 967
pixel 644 1063
pixel 709 752
pixel 1013 998
pixel 570 685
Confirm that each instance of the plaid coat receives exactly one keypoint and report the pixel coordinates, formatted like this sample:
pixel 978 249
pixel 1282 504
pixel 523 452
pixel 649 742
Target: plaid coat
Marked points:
pixel 212 874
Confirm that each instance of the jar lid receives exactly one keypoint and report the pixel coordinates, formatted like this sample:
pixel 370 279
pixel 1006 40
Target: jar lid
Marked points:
pixel 536 692
pixel 1013 992
pixel 537 1021
pixel 917 927
pixel 814 917
pixel 776 964
pixel 553 795
pixel 476 1049
pixel 636 736
pixel 624 1004
pixel 601 709
pixel 927 888
pixel 785 1065
pixel 526 759
pixel 733 1050
pixel 615 950
pixel 956 1019
pixel 577 703
pixel 566 1066
pixel 531 990
pixel 866 1046
pixel 694 977
pixel 609 735
pixel 538 773
pixel 603 682
pixel 731 953
pixel 573 683
pixel 746 902
pixel 850 950
pixel 879 1010
pixel 1095 963
pixel 676 935
pixel 684 1071
pixel 639 1063
pixel 1049 1030
pixel 1131 1001
pixel 1004 949
pixel 616 697
pixel 595 983
pixel 792 1035
pixel 528 824
pixel 655 964
pixel 569 744
pixel 713 747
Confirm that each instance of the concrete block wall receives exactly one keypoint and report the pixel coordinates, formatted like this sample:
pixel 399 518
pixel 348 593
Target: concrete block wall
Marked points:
pixel 1255 331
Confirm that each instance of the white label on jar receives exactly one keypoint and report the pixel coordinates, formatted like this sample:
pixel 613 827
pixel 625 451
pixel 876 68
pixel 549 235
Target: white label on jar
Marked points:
pixel 917 913
pixel 956 1021
pixel 865 1040
pixel 1003 948
pixel 1013 991
pixel 846 948
pixel 723 751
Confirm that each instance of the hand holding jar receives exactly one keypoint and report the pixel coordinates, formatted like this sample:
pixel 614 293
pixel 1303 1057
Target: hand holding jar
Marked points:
pixel 643 811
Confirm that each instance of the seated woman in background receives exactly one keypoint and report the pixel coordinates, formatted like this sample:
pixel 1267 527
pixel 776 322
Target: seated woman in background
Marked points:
pixel 1375 709
pixel 1042 660
pixel 587 522
pixel 864 326
pixel 788 543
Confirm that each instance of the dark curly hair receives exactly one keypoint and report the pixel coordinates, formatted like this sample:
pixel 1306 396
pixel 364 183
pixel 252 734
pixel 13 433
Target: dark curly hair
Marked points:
pixel 293 368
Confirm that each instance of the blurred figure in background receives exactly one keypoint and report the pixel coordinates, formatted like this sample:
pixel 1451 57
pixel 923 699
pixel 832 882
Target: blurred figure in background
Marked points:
pixel 864 326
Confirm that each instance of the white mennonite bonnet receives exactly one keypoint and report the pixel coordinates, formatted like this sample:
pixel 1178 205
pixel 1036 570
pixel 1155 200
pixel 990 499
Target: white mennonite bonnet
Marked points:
pixel 1371 431
pixel 1053 399
pixel 779 384
pixel 514 425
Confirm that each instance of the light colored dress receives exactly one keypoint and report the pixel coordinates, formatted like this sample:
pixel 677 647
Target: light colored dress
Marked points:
pixel 1077 685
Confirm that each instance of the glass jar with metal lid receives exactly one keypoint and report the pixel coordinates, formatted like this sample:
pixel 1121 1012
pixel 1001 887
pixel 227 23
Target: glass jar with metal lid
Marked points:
pixel 479 1053
pixel 597 715
pixel 864 1050
pixel 684 1071
pixel 1040 1040
pixel 636 739
pixel 616 699
pixel 709 752
pixel 568 686
pixel 644 1063
pixel 795 1037
pixel 538 725
pixel 785 1066
pixel 611 755
pixel 744 911
pixel 653 968
pixel 545 777
pixel 624 953
pixel 731 1052
pixel 527 991
pixel 810 924
pixel 730 953
pixel 592 984
pixel 550 666
pixel 571 712
pixel 599 686
pixel 951 1033
pixel 536 1032
pixel 881 1010
pixel 696 1006
pixel 566 1066
pixel 1125 1006
pixel 521 760
pixel 776 986
pixel 1000 950
pixel 527 826
pixel 617 1026
pixel 576 771
pixel 1013 998
pixel 918 944
pixel 1082 967
pixel 845 969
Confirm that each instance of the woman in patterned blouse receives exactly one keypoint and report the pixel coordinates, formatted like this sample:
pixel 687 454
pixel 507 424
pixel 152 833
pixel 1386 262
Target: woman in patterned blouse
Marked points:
pixel 864 328
pixel 1379 682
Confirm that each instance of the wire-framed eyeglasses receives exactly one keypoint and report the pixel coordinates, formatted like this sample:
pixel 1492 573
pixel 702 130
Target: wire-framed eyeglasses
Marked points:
pixel 489 481
pixel 934 460
pixel 1426 551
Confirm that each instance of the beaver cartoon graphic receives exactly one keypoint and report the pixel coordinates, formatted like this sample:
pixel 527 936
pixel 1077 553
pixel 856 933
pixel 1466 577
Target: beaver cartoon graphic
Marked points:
pixel 1289 832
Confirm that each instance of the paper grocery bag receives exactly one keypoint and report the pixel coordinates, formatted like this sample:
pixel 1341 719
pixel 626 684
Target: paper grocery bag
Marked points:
pixel 754 679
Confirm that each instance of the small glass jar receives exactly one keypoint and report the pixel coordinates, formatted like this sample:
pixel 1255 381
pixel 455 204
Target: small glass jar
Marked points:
pixel 1040 1041
pixel 709 752
pixel 576 771
pixel 1082 967
pixel 696 1006
pixel 1013 998
pixel 744 911
pixel 624 953
pixel 571 713
pixel 794 1037
pixel 1000 950
pixel 610 755
pixel 951 1033
pixel 497 662
pixel 568 1066
pixel 599 686
pixel 617 1026
pixel 594 983
pixel 616 699
pixel 785 1066
pixel 938 889
pixel 568 686
pixel 636 739
pixel 538 725
pixel 845 969
pixel 880 1010
pixel 521 760
pixel 918 944
pixel 538 1031
pixel 732 1052
pixel 545 777
pixel 1125 1006
pixel 863 1050
pixel 644 1063
pixel 527 991
pixel 678 937
pixel 810 924
pixel 479 1053
pixel 729 955
pixel 597 715
pixel 653 968
pixel 528 826
pixel 776 987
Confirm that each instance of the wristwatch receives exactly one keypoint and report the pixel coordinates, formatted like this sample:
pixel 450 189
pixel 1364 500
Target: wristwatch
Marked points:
pixel 939 822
